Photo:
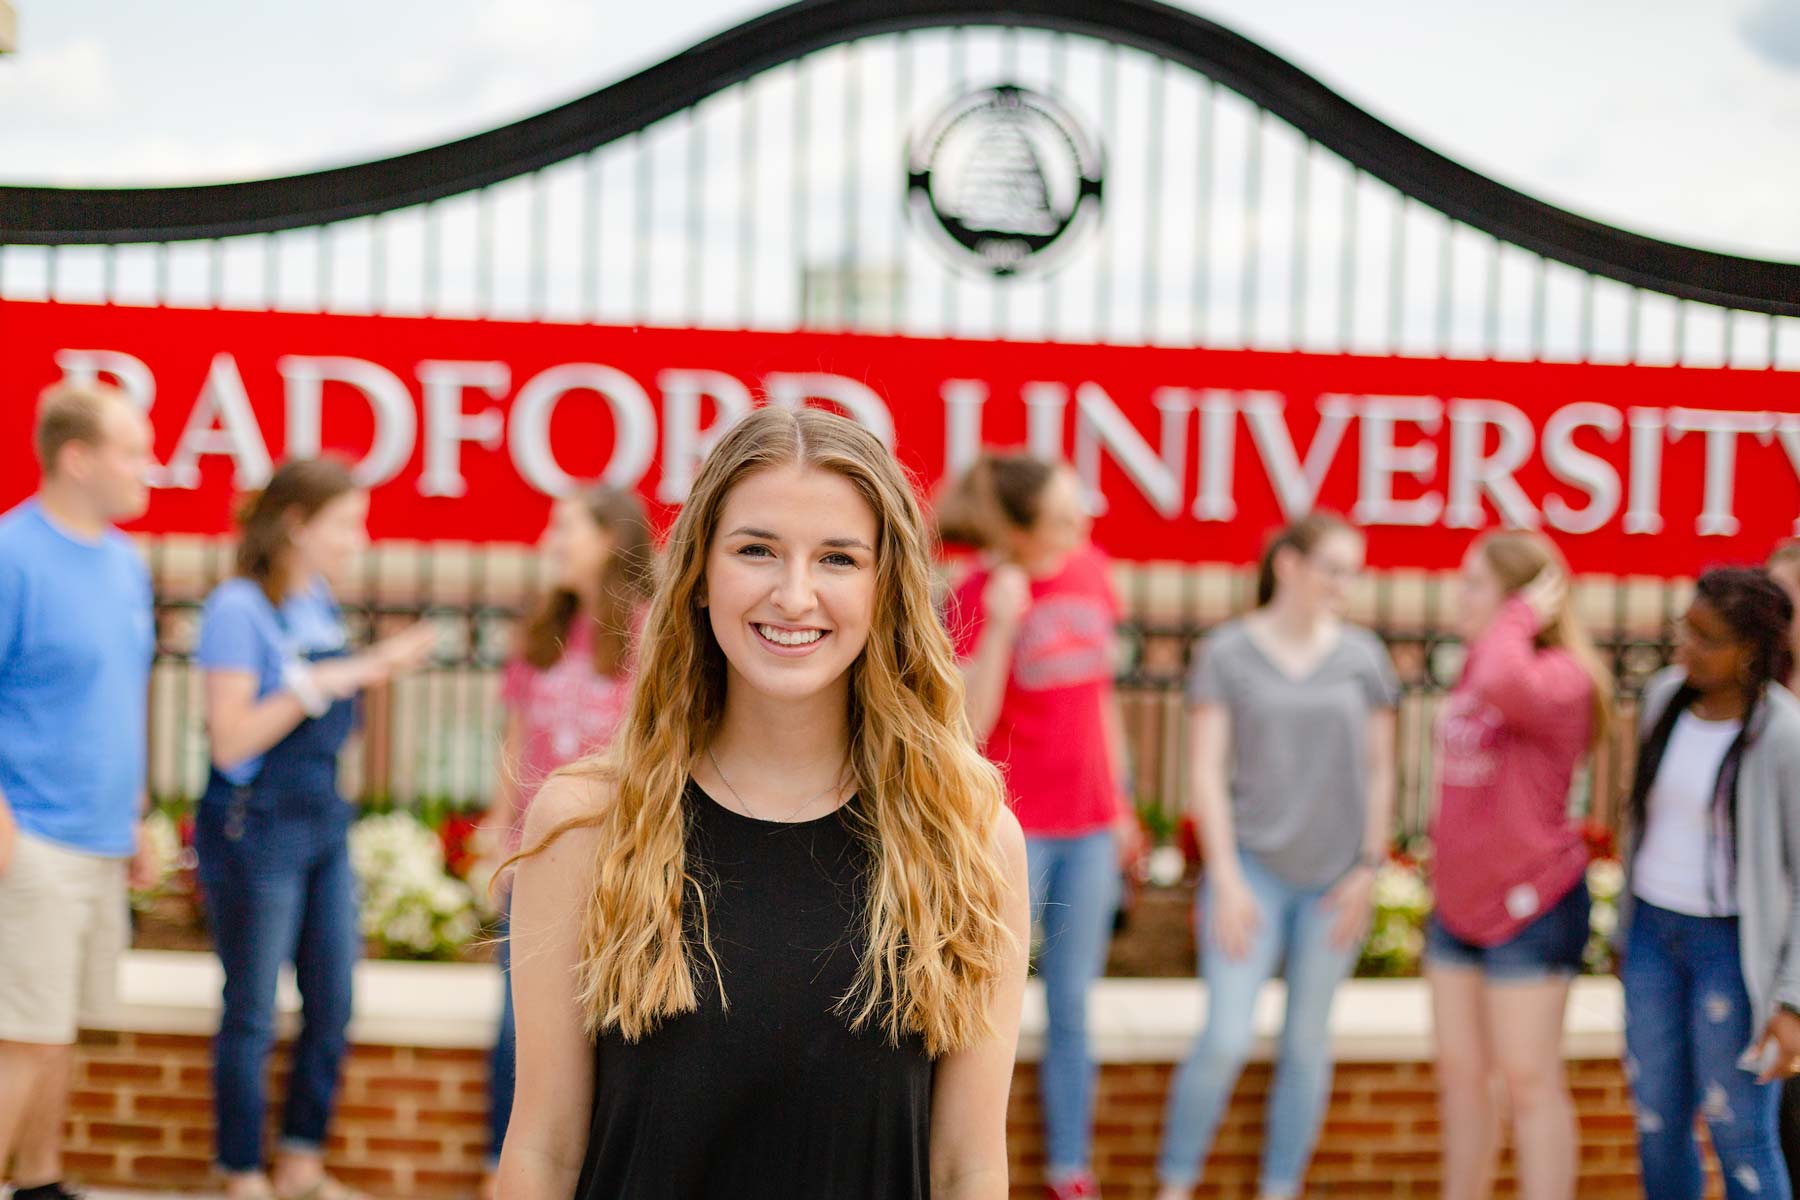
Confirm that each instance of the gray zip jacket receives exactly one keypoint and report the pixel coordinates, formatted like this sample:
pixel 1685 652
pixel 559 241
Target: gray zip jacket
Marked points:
pixel 1768 846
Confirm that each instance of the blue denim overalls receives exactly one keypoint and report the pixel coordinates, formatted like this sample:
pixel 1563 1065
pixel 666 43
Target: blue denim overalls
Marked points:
pixel 275 867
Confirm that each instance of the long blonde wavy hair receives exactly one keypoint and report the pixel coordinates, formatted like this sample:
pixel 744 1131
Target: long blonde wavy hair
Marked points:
pixel 1516 557
pixel 937 940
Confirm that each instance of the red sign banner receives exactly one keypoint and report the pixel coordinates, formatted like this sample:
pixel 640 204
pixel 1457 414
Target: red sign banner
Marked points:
pixel 464 429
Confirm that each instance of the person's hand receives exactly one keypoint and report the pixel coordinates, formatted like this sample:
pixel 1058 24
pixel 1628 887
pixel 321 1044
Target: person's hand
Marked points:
pixel 342 678
pixel 1546 594
pixel 406 651
pixel 1006 596
pixel 1352 900
pixel 1783 1031
pixel 144 871
pixel 1129 832
pixel 1232 915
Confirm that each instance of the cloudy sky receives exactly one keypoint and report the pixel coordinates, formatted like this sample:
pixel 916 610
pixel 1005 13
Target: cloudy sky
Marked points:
pixel 1672 117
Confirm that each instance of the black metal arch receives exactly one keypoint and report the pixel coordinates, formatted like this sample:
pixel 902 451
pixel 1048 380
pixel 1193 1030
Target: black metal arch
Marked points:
pixel 43 215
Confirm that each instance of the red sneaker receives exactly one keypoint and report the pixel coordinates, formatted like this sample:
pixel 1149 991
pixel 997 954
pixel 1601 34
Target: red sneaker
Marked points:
pixel 1082 1187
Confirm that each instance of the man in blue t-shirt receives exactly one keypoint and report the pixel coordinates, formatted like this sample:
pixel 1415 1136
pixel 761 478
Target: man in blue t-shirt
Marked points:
pixel 76 640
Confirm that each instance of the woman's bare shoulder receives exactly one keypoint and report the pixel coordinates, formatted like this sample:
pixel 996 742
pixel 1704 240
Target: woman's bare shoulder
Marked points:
pixel 572 804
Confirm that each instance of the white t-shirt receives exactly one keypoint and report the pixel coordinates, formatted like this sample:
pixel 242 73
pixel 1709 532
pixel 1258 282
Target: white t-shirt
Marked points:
pixel 1670 869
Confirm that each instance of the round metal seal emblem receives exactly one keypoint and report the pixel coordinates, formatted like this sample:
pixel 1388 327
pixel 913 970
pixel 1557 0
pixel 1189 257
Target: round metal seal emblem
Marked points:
pixel 1005 179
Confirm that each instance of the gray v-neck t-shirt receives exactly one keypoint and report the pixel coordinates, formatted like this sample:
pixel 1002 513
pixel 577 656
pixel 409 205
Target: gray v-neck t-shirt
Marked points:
pixel 1299 747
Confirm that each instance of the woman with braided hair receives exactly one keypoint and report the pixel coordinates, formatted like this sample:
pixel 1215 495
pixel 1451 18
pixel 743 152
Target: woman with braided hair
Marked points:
pixel 1711 925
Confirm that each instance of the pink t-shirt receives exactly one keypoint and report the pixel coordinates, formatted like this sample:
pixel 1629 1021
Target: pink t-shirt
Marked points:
pixel 1510 735
pixel 1050 738
pixel 568 710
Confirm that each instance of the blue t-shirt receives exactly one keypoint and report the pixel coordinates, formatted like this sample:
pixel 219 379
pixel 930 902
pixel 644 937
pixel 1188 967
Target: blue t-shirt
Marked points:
pixel 77 635
pixel 241 631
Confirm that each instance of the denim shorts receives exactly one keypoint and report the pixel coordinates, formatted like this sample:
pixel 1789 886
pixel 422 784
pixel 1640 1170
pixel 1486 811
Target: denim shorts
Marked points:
pixel 1553 944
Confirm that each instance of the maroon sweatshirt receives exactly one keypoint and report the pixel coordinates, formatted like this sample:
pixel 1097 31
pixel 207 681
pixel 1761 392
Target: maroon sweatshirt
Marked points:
pixel 1509 737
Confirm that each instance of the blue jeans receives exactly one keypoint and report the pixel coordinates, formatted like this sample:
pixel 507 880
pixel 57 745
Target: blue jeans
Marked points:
pixel 1074 894
pixel 1687 1020
pixel 1551 947
pixel 503 1061
pixel 275 868
pixel 1295 928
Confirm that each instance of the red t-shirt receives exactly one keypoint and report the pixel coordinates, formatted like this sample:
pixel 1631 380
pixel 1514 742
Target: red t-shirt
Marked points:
pixel 568 710
pixel 1050 738
pixel 1509 737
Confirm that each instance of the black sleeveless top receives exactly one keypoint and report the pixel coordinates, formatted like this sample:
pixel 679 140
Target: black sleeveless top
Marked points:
pixel 775 1098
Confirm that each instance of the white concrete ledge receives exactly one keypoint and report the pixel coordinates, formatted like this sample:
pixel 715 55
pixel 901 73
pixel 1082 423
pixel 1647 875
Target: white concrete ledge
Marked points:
pixel 456 1005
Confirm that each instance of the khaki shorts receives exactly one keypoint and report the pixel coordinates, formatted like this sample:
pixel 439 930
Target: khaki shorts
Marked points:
pixel 63 925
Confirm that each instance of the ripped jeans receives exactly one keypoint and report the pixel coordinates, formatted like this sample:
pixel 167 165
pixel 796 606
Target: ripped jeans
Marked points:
pixel 1687 1021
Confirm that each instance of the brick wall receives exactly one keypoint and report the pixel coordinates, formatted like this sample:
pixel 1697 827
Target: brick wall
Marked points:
pixel 412 1124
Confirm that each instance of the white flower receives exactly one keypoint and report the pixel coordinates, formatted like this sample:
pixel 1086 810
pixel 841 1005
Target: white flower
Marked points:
pixel 1167 865
pixel 1605 878
pixel 410 903
pixel 1603 919
pixel 1403 888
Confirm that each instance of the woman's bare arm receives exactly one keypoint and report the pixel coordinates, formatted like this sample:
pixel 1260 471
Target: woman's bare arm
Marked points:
pixel 546 1140
pixel 970 1087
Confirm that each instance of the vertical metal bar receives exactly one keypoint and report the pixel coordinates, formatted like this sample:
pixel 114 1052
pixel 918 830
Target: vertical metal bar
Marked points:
pixel 644 196
pixel 1446 285
pixel 1109 126
pixel 537 245
pixel 162 272
pixel 696 214
pixel 431 283
pixel 52 259
pixel 1730 335
pixel 1773 321
pixel 322 267
pixel 484 252
pixel 959 69
pixel 1347 260
pixel 1633 320
pixel 747 164
pixel 593 193
pixel 1059 74
pixel 1397 275
pixel 851 253
pixel 271 271
pixel 215 272
pixel 1153 205
pixel 1680 332
pixel 429 709
pixel 378 264
pixel 109 277
pixel 1540 306
pixel 1584 350
pixel 1302 217
pixel 1491 319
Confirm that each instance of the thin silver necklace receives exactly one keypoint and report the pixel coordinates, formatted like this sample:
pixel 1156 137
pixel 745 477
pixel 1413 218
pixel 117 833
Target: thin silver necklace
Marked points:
pixel 745 805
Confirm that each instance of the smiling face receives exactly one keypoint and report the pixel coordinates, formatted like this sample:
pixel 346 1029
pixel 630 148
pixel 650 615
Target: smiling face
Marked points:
pixel 790 580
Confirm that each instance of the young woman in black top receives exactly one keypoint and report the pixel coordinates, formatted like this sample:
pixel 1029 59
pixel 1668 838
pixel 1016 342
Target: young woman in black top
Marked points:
pixel 773 943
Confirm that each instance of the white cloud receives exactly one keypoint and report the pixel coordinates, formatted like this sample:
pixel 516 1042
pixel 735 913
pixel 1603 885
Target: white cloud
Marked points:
pixel 74 79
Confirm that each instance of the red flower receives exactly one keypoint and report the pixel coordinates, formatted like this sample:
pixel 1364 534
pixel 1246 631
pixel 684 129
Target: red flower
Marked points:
pixel 1187 836
pixel 457 831
pixel 1600 839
